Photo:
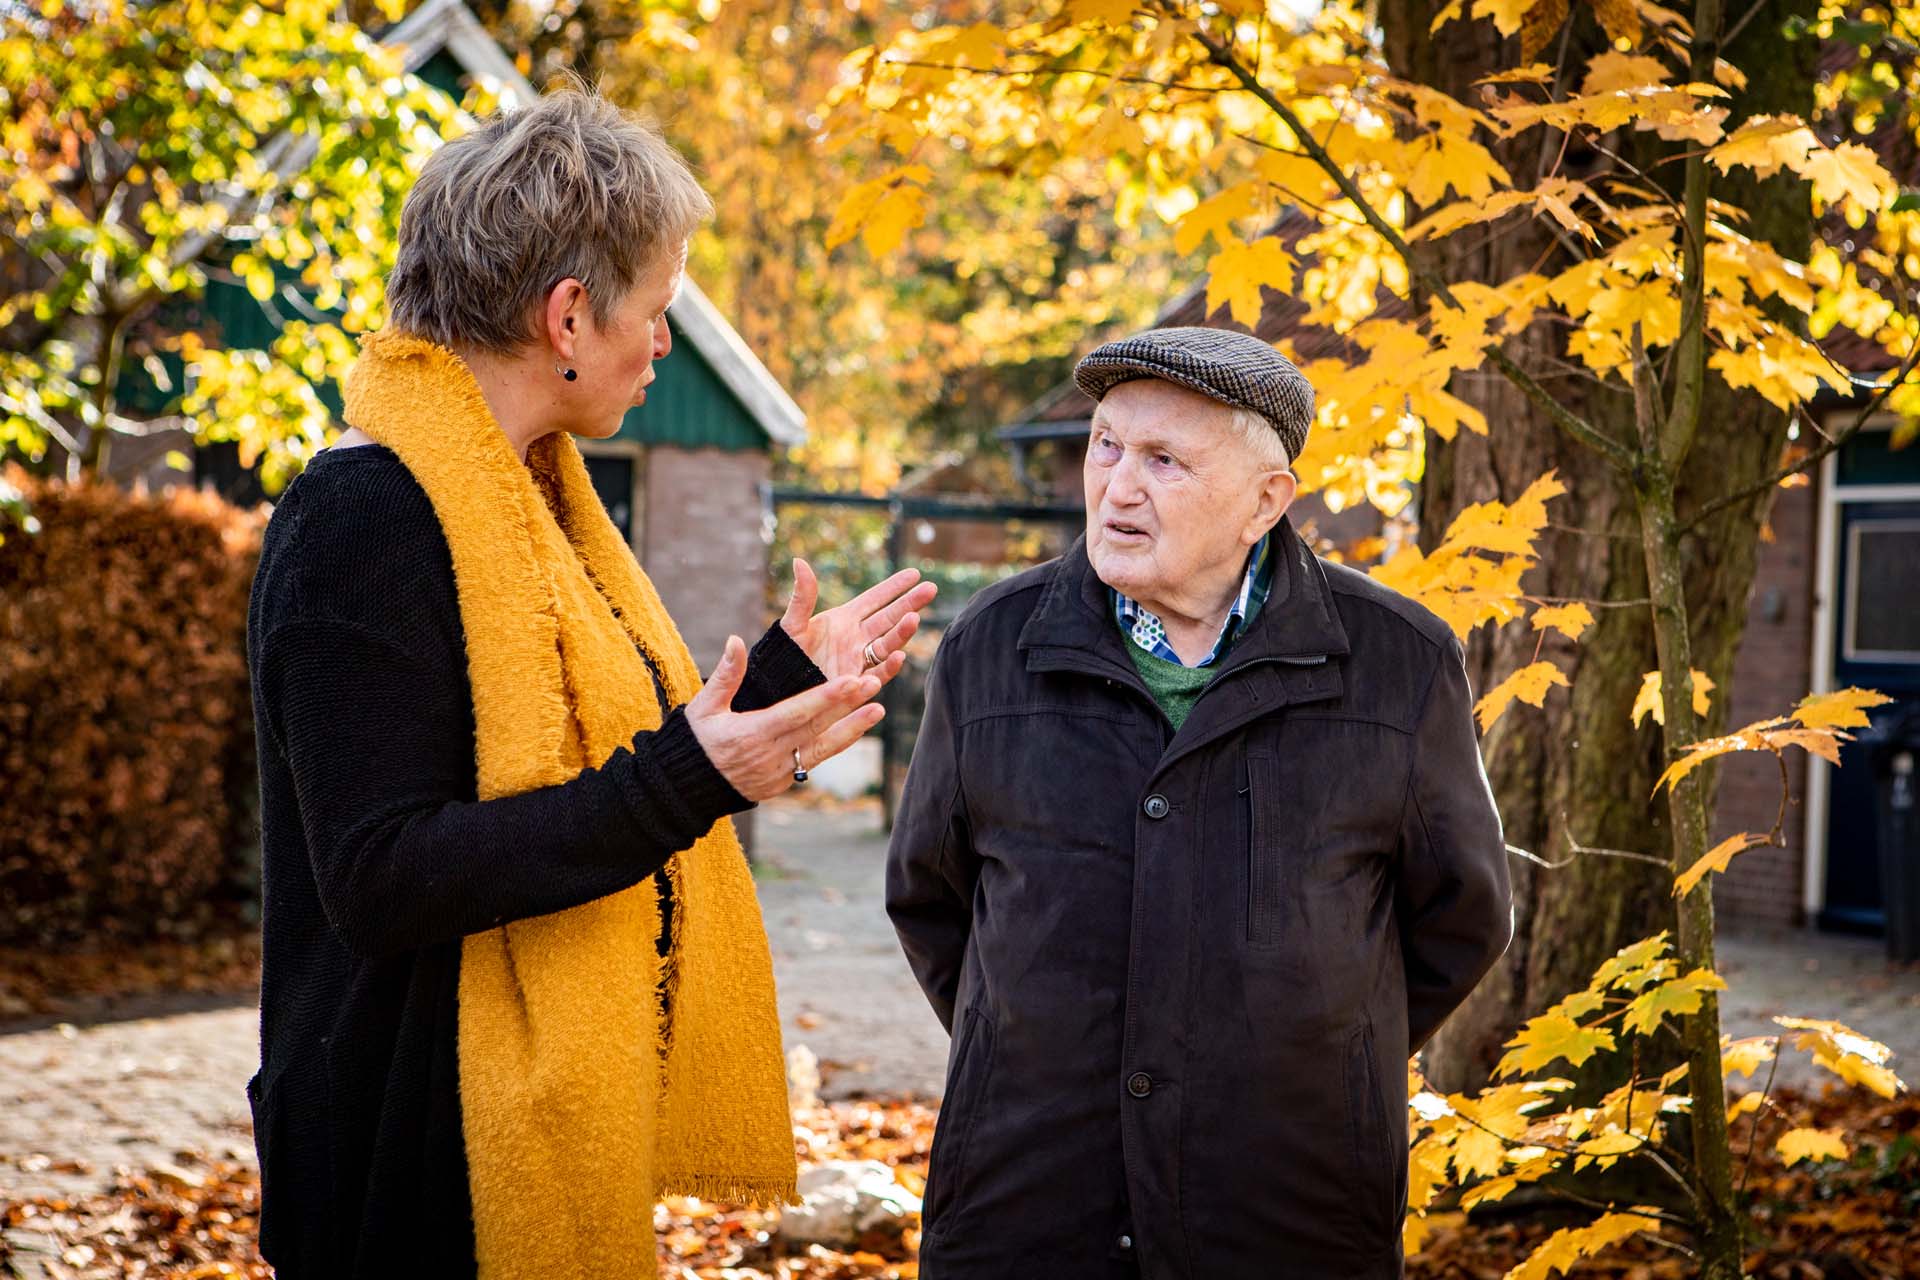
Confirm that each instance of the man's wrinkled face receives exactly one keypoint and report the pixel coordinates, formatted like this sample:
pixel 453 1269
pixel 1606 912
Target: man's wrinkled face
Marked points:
pixel 1175 497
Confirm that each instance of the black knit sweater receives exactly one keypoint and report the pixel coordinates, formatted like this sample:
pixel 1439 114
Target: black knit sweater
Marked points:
pixel 377 858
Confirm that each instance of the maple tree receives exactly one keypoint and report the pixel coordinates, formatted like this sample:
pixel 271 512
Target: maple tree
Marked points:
pixel 150 148
pixel 1566 251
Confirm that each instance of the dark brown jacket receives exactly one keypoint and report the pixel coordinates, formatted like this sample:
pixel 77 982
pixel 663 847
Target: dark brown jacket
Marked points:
pixel 1183 971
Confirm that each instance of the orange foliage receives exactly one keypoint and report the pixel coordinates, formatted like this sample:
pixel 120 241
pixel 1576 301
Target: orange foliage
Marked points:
pixel 126 733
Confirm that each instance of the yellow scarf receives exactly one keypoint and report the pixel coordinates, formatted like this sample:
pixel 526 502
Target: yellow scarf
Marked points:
pixel 580 1107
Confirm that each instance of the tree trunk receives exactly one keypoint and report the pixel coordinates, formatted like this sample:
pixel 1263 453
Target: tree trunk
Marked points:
pixel 1578 774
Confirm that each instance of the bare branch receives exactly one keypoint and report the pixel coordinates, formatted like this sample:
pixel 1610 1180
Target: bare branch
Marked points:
pixel 1753 1130
pixel 1579 850
pixel 1007 72
pixel 1812 456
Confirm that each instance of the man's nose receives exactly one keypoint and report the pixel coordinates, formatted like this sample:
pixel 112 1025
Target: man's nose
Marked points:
pixel 1126 485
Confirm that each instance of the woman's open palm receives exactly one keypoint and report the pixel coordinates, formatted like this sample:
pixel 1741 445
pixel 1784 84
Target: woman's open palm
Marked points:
pixel 862 633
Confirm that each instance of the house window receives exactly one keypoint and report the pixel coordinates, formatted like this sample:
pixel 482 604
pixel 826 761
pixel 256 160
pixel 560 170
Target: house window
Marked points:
pixel 1882 624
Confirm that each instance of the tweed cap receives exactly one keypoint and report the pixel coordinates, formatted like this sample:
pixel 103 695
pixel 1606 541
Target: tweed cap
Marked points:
pixel 1236 369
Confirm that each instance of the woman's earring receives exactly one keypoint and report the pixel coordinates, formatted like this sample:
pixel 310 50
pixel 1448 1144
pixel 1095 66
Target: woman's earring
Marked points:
pixel 568 374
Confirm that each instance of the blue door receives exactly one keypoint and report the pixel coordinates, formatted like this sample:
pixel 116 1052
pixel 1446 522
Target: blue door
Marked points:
pixel 1876 645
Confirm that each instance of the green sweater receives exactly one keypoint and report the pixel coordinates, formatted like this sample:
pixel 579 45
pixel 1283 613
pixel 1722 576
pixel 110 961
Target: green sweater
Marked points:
pixel 1174 687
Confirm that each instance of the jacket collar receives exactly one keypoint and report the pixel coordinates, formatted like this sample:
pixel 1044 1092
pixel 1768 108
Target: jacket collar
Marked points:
pixel 1298 625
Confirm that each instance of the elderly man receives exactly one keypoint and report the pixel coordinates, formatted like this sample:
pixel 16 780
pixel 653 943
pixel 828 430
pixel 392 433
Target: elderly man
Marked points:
pixel 1195 849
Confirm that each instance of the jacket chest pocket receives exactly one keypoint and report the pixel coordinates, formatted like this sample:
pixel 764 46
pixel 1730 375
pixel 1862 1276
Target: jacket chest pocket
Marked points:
pixel 1323 801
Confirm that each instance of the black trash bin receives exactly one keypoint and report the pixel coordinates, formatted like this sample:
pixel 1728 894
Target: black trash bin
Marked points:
pixel 1895 758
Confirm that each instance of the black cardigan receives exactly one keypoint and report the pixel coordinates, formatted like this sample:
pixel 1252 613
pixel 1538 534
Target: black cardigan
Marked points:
pixel 377 858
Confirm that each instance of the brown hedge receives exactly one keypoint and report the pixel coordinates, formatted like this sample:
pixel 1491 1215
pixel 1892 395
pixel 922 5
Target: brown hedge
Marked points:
pixel 126 740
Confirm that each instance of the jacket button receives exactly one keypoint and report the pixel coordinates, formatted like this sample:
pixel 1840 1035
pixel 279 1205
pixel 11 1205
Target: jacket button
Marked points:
pixel 1125 1242
pixel 1139 1084
pixel 1157 806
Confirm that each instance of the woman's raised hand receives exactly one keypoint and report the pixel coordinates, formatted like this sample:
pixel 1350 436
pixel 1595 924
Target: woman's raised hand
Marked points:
pixel 754 750
pixel 865 633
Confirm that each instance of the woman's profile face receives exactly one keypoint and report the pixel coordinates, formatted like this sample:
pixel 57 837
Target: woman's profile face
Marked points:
pixel 615 360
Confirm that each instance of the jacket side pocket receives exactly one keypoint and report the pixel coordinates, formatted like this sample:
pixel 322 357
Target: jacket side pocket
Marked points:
pixel 264 1147
pixel 1379 1195
pixel 1263 852
pixel 947 1181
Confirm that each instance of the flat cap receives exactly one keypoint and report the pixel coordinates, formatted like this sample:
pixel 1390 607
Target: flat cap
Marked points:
pixel 1236 369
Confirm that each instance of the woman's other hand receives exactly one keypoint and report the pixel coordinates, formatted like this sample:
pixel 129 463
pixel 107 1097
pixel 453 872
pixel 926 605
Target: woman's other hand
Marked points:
pixel 881 618
pixel 754 750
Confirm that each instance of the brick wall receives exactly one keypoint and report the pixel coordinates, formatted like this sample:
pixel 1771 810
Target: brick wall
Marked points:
pixel 703 547
pixel 1771 672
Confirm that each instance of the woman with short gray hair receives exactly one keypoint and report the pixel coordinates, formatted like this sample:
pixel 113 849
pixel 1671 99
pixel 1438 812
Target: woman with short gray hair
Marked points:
pixel 515 984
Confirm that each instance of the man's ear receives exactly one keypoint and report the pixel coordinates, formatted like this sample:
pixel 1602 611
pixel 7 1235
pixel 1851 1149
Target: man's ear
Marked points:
pixel 1277 492
pixel 566 313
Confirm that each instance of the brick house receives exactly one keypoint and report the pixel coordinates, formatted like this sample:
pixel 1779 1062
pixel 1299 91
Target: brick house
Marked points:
pixel 685 477
pixel 1835 602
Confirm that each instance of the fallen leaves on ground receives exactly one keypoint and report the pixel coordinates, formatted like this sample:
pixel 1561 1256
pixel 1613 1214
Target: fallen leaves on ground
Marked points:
pixel 1815 1220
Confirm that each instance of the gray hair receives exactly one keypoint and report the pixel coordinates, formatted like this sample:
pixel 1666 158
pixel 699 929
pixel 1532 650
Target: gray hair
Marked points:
pixel 569 187
pixel 1258 433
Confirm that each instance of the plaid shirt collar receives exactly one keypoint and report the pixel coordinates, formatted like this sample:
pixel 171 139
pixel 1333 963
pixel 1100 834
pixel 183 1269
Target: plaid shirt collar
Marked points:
pixel 1146 630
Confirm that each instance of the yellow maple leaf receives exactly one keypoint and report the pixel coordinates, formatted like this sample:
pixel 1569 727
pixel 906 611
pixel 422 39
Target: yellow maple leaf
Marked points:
pixel 1850 171
pixel 1507 15
pixel 1745 1104
pixel 1112 13
pixel 1648 701
pixel 1237 274
pixel 1761 735
pixel 1565 1247
pixel 1429 1223
pixel 1532 73
pixel 1477 1153
pixel 1489 1191
pixel 1529 684
pixel 1548 1038
pixel 1783 367
pixel 1838 1048
pixel 1841 709
pixel 1298 176
pixel 1447 14
pixel 1796 1145
pixel 1715 859
pixel 1440 159
pixel 1824 743
pixel 1676 996
pixel 1570 620
pixel 881 211
pixel 1765 144
pixel 898 211
pixel 1426 1171
pixel 1652 304
pixel 1620 19
pixel 1745 1056
pixel 1613 72
pixel 979 45
pixel 1215 217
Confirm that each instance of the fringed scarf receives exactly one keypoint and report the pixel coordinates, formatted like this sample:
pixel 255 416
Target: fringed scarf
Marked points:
pixel 582 1103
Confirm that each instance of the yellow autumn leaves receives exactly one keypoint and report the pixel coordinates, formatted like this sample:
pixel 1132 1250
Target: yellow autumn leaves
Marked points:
pixel 1521 1128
